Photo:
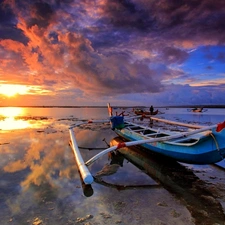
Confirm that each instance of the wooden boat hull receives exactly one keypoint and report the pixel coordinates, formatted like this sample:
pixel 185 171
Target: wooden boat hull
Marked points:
pixel 208 149
pixel 140 112
pixel 196 110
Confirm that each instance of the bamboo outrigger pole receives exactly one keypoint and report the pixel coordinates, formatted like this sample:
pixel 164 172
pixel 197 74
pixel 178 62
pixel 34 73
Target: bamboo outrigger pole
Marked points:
pixel 176 123
pixel 85 173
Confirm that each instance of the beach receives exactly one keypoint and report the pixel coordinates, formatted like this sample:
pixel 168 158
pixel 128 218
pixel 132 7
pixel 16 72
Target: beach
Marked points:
pixel 40 184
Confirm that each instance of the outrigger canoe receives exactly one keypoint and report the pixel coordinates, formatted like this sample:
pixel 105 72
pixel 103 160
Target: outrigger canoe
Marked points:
pixel 201 145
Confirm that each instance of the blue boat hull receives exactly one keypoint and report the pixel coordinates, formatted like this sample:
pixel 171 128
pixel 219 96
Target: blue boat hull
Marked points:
pixel 206 151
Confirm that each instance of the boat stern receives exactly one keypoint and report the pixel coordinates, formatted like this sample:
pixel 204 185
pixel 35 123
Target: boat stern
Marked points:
pixel 117 122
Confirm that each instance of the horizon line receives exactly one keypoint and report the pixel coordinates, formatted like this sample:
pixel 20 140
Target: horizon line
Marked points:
pixel 116 106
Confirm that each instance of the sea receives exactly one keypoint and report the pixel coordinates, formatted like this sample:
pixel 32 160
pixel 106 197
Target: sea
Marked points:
pixel 40 183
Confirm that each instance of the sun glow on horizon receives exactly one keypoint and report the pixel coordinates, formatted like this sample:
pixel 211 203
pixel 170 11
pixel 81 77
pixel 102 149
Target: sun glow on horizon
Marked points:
pixel 11 90
pixel 12 124
pixel 9 123
pixel 14 118
pixel 11 112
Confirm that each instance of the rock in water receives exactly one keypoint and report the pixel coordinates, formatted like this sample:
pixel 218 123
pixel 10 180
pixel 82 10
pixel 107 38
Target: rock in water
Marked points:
pixel 108 170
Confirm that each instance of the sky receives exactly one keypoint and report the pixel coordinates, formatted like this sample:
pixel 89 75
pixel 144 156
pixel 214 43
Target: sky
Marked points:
pixel 126 52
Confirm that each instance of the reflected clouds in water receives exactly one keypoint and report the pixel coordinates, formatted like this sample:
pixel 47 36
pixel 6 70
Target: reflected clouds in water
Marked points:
pixel 42 161
pixel 44 167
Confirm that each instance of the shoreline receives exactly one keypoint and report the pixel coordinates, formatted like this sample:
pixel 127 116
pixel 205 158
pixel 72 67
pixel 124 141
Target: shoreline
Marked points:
pixel 125 107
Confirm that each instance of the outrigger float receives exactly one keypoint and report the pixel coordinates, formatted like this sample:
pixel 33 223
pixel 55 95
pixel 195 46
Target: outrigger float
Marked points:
pixel 200 145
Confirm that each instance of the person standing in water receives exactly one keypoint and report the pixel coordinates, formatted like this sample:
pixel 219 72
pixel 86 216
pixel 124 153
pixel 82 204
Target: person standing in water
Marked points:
pixel 151 109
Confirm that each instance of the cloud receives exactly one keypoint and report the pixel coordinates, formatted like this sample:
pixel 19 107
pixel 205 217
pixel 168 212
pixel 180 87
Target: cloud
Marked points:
pixel 41 15
pixel 8 22
pixel 106 48
pixel 187 95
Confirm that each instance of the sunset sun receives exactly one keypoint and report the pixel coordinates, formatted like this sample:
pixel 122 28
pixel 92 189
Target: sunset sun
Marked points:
pixel 11 90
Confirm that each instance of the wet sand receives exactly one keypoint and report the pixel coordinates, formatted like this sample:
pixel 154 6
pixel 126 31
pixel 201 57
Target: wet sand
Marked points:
pixel 39 183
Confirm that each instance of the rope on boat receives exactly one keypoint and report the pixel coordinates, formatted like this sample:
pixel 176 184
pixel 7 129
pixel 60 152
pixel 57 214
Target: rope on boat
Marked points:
pixel 217 145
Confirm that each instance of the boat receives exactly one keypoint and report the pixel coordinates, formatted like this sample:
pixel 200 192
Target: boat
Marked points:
pixel 142 112
pixel 201 109
pixel 199 145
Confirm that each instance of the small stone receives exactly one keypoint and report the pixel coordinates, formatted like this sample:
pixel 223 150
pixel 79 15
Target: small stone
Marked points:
pixel 175 214
pixel 162 204
pixel 37 221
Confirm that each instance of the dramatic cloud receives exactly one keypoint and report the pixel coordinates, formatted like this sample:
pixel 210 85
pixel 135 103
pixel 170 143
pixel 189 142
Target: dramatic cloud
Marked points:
pixel 116 49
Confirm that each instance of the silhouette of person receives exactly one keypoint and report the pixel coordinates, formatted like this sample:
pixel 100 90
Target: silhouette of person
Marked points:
pixel 151 109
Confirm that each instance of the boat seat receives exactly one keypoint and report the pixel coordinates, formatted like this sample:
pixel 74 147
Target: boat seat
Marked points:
pixel 184 141
pixel 190 139
pixel 132 126
pixel 157 135
pixel 139 130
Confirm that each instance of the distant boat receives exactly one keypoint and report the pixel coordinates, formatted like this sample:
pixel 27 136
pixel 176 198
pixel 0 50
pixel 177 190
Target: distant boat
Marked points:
pixel 201 109
pixel 142 112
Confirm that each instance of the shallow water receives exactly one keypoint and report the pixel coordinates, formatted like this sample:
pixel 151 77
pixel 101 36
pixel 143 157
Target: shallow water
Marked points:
pixel 39 182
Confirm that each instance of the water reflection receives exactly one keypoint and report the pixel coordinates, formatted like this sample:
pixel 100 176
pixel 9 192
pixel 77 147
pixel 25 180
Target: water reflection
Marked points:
pixel 14 118
pixel 211 116
pixel 178 180
pixel 11 111
pixel 39 178
pixel 87 188
pixel 11 124
pixel 37 169
pixel 35 172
